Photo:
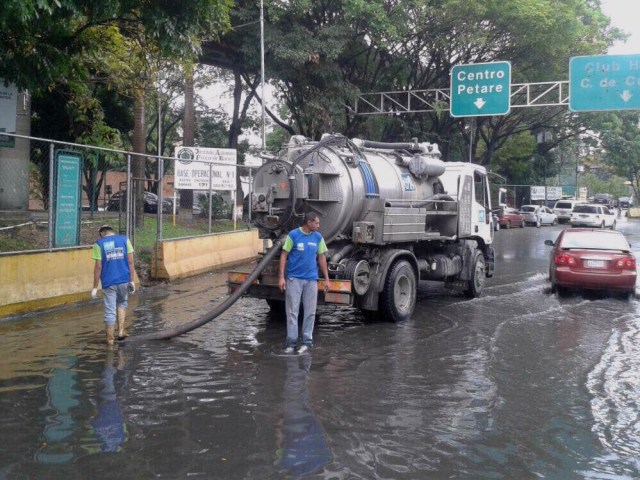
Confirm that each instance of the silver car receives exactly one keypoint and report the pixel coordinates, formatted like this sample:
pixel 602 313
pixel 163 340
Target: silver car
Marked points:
pixel 563 209
pixel 538 215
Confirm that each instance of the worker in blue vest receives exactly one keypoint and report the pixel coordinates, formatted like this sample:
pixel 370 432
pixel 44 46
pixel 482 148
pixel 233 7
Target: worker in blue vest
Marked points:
pixel 113 255
pixel 303 250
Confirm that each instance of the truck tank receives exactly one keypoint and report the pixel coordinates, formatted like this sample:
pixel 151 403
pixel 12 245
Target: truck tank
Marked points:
pixel 343 181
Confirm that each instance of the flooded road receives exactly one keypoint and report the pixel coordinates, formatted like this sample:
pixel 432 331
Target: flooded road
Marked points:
pixel 516 384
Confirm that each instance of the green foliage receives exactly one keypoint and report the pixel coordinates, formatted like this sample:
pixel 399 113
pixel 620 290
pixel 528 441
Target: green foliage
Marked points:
pixel 219 208
pixel 513 160
pixel 613 185
pixel 620 134
pixel 49 41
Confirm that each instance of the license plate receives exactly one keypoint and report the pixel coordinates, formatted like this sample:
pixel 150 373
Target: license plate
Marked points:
pixel 595 263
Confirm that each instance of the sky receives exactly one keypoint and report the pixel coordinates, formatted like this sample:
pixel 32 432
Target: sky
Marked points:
pixel 623 14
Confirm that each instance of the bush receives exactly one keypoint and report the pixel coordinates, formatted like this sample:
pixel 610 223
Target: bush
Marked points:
pixel 219 208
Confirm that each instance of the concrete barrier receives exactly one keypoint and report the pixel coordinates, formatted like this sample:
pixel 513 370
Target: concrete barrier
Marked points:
pixel 44 279
pixel 634 212
pixel 185 257
pixel 37 280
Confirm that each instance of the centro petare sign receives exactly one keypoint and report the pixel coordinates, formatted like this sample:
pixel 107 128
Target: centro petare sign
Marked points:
pixel 481 89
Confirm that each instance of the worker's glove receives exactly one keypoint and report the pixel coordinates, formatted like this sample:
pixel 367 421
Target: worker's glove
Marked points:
pixel 94 293
pixel 131 287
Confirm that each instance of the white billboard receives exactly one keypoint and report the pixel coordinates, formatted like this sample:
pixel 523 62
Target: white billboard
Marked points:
pixel 8 107
pixel 198 168
pixel 538 193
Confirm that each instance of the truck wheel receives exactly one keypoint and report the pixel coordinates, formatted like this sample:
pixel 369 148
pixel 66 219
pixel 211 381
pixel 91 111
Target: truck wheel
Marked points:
pixel 476 284
pixel 399 294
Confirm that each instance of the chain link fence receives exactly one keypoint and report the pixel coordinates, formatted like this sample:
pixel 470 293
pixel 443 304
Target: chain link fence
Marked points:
pixel 56 195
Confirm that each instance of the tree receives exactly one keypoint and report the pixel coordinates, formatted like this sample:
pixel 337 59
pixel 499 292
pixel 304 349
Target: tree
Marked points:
pixel 620 135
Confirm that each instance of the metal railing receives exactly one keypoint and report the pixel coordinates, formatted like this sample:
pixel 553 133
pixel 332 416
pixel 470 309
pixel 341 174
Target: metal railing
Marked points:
pixel 28 213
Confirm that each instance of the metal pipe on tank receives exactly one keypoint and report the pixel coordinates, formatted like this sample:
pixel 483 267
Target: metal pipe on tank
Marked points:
pixel 335 258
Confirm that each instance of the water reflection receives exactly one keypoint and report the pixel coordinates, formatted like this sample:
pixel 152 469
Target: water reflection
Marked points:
pixel 302 446
pixel 60 425
pixel 109 423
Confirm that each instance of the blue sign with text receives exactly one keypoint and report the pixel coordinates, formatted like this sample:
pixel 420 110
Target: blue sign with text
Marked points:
pixel 481 89
pixel 604 82
pixel 67 188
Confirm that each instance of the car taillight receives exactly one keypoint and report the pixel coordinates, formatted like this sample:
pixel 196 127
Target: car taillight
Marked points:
pixel 627 263
pixel 564 259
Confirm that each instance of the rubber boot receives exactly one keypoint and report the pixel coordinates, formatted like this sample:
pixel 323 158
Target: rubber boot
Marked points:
pixel 121 314
pixel 110 334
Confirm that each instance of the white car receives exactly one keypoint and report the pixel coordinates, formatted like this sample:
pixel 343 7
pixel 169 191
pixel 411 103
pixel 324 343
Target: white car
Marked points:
pixel 598 216
pixel 563 209
pixel 538 215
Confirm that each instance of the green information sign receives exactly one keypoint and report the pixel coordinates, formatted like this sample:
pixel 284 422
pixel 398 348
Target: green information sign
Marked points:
pixel 604 82
pixel 481 89
pixel 66 198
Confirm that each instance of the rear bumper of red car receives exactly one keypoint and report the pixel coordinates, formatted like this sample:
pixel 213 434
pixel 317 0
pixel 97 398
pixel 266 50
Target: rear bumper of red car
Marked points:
pixel 625 280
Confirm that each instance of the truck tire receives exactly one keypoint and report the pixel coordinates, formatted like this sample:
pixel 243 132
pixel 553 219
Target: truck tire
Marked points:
pixel 400 290
pixel 476 284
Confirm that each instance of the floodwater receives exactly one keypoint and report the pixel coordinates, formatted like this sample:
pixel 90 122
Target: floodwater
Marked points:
pixel 517 384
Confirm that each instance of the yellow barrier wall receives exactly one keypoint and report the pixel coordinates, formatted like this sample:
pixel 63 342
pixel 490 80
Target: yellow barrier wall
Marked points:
pixel 39 280
pixel 179 258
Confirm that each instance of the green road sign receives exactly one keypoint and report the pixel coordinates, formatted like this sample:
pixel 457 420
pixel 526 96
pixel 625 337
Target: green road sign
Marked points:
pixel 481 89
pixel 604 82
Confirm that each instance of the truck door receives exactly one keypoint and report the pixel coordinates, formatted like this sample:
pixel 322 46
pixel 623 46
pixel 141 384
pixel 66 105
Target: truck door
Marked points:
pixel 481 214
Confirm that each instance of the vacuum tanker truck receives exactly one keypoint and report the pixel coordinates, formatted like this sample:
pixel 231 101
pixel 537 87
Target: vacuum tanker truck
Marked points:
pixel 392 214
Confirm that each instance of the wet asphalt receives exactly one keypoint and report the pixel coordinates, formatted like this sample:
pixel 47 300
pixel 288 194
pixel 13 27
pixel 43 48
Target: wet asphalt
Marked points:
pixel 516 384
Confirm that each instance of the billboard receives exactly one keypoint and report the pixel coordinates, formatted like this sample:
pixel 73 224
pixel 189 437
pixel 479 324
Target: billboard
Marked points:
pixel 198 168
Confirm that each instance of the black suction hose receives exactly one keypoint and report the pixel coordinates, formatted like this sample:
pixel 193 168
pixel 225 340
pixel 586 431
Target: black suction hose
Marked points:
pixel 221 308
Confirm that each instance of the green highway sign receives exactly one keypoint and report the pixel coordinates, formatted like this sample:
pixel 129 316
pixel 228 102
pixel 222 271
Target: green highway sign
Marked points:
pixel 604 82
pixel 481 89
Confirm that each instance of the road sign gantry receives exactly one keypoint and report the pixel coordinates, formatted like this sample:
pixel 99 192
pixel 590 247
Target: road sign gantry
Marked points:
pixel 596 83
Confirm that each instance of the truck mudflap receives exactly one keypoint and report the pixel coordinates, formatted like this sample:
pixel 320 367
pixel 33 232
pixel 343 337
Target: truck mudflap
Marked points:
pixel 266 288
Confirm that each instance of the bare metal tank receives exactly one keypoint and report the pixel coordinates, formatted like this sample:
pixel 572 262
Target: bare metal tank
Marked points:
pixel 343 181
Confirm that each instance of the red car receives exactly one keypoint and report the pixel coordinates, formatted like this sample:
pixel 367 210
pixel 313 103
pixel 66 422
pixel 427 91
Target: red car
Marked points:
pixel 592 259
pixel 509 217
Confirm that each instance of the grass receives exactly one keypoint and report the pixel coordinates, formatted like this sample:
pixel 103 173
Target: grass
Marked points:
pixel 145 238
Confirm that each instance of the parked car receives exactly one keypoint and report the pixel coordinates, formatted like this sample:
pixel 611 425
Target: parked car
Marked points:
pixel 150 202
pixel 587 215
pixel 625 202
pixel 538 215
pixel 604 199
pixel 509 217
pixel 591 259
pixel 563 209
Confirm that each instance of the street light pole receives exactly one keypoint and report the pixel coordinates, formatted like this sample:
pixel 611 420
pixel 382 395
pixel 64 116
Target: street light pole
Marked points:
pixel 262 68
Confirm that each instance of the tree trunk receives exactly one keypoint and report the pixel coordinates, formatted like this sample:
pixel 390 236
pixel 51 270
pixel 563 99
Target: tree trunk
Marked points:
pixel 138 162
pixel 188 137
